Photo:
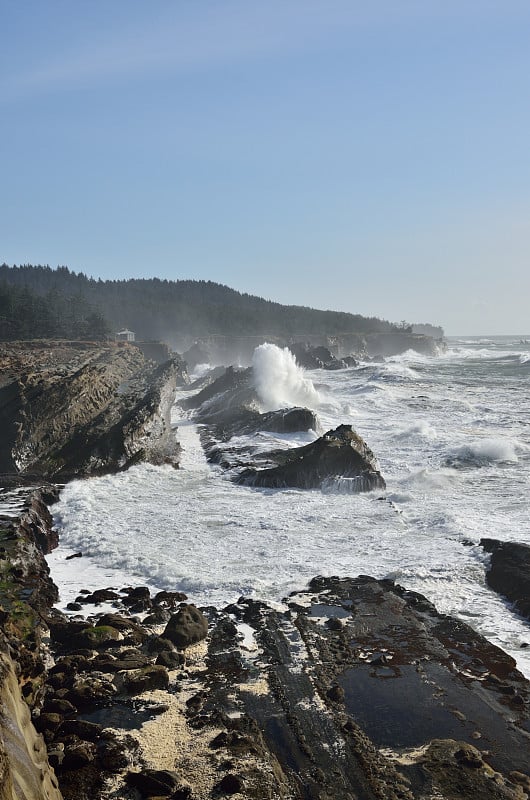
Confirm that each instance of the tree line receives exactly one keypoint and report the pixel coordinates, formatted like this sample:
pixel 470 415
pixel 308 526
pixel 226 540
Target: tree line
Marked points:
pixel 26 315
pixel 61 302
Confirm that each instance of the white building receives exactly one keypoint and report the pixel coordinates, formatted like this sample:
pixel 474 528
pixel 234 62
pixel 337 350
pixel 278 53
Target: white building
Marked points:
pixel 125 336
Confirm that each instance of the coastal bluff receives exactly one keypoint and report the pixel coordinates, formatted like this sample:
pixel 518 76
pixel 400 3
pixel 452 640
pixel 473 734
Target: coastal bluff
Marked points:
pixel 70 409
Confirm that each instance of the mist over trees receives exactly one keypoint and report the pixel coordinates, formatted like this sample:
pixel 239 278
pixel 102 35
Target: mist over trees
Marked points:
pixel 24 314
pixel 37 301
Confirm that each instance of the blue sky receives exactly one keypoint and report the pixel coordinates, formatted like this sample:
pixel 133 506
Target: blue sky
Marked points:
pixel 367 157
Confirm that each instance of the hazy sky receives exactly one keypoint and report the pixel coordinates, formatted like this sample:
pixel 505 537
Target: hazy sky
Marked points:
pixel 371 157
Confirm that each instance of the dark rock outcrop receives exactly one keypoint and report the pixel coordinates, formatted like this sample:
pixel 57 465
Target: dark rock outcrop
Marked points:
pixel 228 408
pixel 392 700
pixel 239 349
pixel 319 357
pixel 339 454
pixel 509 572
pixel 69 409
pixel 187 626
pixel 232 389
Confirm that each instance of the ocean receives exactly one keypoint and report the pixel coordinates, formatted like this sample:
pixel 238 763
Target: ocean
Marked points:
pixel 452 437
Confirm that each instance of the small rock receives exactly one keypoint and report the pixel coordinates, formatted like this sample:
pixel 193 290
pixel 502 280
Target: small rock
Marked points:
pixel 90 731
pixel 154 677
pixel 96 636
pixel 187 626
pixel 158 616
pixel 171 599
pixel 468 756
pixel 101 596
pixel 170 659
pixel 336 693
pixel 230 784
pixel 58 706
pixel 154 783
pixel 78 754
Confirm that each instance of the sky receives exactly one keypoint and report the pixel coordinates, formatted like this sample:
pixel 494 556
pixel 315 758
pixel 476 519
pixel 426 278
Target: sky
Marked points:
pixel 364 157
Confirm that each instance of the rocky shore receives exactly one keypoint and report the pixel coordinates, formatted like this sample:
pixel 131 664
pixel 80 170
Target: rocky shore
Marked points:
pixel 356 688
pixel 352 689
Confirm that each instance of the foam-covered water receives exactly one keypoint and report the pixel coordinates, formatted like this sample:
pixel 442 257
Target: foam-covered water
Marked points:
pixel 452 436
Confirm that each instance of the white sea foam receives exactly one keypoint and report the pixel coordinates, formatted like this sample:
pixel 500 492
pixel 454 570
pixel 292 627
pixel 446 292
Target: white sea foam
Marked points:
pixel 200 370
pixel 192 529
pixel 279 381
pixel 420 429
pixel 484 451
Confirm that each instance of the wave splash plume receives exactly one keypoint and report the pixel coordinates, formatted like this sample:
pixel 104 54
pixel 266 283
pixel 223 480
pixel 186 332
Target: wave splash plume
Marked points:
pixel 279 381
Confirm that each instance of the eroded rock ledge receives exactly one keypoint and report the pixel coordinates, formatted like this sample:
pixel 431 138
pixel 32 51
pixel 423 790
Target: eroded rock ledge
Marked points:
pixel 76 408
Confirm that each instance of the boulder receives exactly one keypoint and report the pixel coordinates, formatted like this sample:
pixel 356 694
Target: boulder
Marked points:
pixel 509 572
pixel 147 679
pixel 187 626
pixel 157 783
pixel 97 636
pixel 339 454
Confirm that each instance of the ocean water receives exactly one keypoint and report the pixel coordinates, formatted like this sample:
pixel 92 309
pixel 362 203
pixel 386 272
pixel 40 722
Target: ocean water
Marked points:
pixel 452 437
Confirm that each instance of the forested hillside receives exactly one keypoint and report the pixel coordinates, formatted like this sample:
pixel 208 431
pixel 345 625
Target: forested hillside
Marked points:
pixel 154 309
pixel 53 315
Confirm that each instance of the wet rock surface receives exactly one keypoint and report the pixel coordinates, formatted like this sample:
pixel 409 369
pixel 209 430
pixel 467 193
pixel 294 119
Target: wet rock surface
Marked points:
pixel 509 572
pixel 357 688
pixel 321 357
pixel 340 454
pixel 227 409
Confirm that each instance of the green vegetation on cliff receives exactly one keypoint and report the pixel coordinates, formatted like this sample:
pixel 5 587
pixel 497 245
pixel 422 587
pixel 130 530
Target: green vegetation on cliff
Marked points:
pixel 154 308
pixel 25 314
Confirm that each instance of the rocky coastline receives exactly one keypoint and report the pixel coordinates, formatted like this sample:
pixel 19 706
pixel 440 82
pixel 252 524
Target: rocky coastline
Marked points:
pixel 354 688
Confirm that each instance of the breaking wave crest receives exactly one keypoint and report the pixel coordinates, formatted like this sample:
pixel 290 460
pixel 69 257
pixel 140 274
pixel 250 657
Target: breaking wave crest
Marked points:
pixel 483 452
pixel 279 381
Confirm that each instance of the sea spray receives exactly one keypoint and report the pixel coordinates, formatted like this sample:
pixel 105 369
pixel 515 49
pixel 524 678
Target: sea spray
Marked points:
pixel 279 381
pixel 194 530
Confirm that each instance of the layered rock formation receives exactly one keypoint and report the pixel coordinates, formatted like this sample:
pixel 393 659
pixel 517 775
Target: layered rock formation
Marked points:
pixel 340 456
pixel 71 408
